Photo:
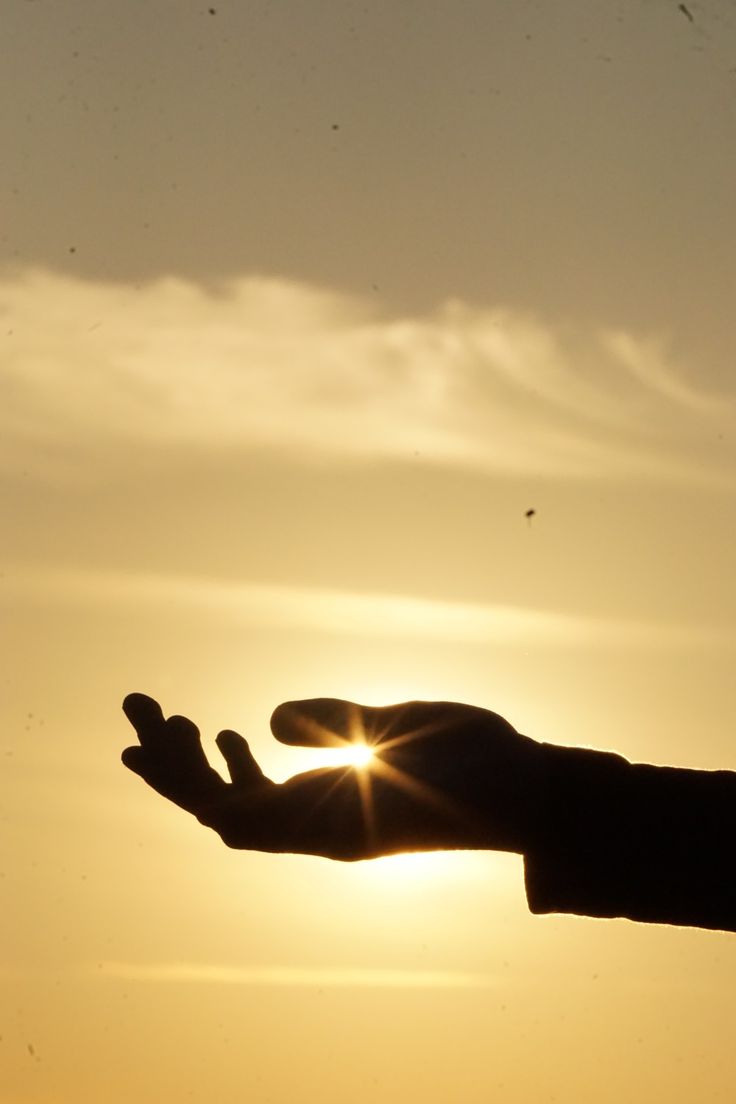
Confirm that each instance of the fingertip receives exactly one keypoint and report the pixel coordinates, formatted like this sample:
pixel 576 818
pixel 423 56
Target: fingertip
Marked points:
pixel 313 722
pixel 182 726
pixel 287 721
pixel 238 756
pixel 131 758
pixel 228 739
pixel 281 718
pixel 137 706
pixel 130 701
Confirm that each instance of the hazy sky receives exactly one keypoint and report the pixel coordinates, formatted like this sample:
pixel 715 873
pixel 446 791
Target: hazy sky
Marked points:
pixel 302 306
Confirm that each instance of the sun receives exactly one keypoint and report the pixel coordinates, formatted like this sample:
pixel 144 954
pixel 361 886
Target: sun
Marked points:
pixel 357 755
pixel 367 751
pixel 354 749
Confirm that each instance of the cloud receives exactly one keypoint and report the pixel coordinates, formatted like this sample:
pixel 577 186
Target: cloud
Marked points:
pixel 292 976
pixel 347 613
pixel 90 369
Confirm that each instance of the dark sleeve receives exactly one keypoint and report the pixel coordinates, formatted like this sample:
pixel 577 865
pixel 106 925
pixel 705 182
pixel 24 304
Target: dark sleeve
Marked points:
pixel 654 844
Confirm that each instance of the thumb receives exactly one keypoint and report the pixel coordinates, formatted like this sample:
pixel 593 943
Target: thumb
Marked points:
pixel 320 722
pixel 241 765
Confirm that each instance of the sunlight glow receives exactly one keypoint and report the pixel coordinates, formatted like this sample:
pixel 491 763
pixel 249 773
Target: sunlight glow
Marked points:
pixel 358 755
pixel 412 867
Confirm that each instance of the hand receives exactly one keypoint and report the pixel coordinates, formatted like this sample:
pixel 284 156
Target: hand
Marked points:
pixel 443 775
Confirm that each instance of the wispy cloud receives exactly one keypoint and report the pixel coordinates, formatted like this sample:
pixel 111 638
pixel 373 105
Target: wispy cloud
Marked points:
pixel 292 976
pixel 258 363
pixel 342 612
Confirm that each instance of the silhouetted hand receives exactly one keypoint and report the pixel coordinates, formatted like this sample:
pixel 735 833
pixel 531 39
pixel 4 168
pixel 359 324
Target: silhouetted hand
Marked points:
pixel 443 776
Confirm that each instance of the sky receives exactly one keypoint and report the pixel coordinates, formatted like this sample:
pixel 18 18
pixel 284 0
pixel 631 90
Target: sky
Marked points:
pixel 302 307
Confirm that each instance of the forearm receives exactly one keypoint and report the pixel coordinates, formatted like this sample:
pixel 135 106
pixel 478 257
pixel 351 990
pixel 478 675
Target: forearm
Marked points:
pixel 615 839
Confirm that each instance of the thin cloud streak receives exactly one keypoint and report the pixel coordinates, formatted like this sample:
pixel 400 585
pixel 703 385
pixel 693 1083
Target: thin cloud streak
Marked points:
pixel 349 612
pixel 91 370
pixel 292 976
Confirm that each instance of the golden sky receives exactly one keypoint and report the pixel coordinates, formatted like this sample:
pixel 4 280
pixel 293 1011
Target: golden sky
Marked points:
pixel 302 306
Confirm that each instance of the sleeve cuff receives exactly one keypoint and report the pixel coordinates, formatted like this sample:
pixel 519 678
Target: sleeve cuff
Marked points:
pixel 616 839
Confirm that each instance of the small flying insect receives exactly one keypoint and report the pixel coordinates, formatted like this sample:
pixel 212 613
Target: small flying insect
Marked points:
pixel 686 12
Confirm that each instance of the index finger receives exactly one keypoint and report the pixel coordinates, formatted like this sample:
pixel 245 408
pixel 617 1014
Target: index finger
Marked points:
pixel 146 717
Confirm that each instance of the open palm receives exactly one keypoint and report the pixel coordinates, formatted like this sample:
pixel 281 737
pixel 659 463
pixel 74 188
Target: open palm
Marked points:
pixel 443 775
